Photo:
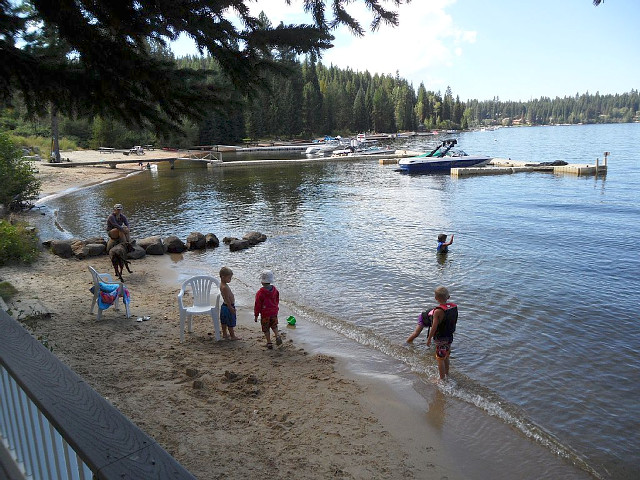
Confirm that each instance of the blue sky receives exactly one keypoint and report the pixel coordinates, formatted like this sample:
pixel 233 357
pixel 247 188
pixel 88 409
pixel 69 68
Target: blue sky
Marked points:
pixel 511 49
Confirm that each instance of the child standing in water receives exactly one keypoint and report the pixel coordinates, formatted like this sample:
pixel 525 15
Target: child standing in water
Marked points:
pixel 443 245
pixel 228 309
pixel 445 316
pixel 266 305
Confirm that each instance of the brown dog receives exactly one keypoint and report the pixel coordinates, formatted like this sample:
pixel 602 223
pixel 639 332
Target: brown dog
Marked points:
pixel 118 255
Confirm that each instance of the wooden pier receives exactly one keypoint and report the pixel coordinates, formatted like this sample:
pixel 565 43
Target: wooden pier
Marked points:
pixel 213 158
pixel 203 157
pixel 503 166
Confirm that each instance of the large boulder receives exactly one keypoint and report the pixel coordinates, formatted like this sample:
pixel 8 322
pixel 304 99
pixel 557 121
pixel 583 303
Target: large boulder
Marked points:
pixel 62 248
pixel 96 240
pixel 94 249
pixel 196 241
pixel 248 240
pixel 136 253
pixel 152 245
pixel 254 237
pixel 173 244
pixel 78 249
pixel 211 240
pixel 236 245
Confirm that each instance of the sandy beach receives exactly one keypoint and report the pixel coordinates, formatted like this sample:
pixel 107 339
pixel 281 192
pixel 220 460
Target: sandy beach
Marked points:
pixel 248 412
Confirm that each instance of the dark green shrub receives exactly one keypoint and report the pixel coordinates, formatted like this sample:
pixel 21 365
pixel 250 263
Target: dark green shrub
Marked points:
pixel 17 244
pixel 17 177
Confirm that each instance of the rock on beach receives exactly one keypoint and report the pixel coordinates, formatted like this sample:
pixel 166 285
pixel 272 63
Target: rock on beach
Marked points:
pixel 153 245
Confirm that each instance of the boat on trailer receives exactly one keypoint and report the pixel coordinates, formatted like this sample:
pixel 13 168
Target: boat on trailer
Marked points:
pixel 441 160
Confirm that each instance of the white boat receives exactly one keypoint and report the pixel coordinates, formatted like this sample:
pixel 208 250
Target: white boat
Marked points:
pixel 361 146
pixel 324 147
pixel 441 160
pixel 319 149
pixel 363 151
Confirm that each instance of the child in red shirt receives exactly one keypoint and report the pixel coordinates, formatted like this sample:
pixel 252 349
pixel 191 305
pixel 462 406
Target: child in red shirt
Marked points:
pixel 266 305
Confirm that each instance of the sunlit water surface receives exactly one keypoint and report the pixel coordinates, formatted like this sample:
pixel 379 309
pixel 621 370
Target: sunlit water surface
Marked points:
pixel 544 268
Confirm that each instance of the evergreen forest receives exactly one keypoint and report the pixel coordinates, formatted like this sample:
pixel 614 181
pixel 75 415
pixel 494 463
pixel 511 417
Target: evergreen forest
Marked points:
pixel 307 99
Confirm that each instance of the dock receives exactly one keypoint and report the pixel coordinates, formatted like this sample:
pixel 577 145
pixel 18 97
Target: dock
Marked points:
pixel 111 163
pixel 275 148
pixel 503 166
pixel 203 157
pixel 506 166
pixel 213 158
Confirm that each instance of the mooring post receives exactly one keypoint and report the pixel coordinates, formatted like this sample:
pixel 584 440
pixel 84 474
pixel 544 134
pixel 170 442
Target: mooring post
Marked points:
pixel 606 154
pixel 597 164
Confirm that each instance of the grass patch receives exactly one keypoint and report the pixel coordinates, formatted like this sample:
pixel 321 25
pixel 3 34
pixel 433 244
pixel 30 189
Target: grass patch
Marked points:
pixel 18 244
pixel 7 291
pixel 41 144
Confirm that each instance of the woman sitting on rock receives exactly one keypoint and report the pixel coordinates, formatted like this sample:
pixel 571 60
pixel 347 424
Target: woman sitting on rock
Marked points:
pixel 118 225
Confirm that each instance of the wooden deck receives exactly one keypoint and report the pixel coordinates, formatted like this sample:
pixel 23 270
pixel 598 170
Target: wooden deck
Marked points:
pixel 110 445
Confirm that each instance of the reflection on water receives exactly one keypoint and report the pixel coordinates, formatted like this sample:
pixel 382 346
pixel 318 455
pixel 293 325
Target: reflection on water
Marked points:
pixel 536 257
pixel 436 411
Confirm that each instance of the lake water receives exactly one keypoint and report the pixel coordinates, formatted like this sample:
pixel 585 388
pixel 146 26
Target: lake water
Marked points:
pixel 544 268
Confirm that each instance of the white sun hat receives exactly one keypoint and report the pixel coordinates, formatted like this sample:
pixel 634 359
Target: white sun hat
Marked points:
pixel 266 276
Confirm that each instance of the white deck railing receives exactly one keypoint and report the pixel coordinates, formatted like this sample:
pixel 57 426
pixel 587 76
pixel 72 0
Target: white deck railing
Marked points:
pixel 36 447
pixel 54 426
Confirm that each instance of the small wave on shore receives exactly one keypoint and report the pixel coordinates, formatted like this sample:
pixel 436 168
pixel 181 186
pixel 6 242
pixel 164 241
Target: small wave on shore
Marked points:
pixel 419 360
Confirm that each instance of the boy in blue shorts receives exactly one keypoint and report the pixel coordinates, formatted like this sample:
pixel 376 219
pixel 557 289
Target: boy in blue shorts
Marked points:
pixel 228 309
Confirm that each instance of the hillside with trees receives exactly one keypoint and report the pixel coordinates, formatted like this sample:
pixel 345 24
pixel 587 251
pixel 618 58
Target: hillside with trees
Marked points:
pixel 101 74
pixel 312 99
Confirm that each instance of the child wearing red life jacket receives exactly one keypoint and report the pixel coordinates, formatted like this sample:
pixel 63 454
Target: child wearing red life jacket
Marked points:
pixel 266 306
pixel 441 321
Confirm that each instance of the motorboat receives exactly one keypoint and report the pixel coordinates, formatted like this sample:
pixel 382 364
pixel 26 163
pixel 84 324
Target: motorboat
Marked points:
pixel 324 147
pixel 362 151
pixel 375 150
pixel 320 149
pixel 361 146
pixel 441 160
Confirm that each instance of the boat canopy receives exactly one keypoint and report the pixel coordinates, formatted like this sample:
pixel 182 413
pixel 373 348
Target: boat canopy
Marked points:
pixel 441 150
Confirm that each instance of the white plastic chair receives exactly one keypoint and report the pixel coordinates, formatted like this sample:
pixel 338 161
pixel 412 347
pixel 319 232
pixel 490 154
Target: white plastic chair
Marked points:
pixel 105 278
pixel 202 287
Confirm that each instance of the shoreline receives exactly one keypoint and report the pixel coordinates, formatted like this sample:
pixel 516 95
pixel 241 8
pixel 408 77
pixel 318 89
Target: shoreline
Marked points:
pixel 305 415
pixel 364 412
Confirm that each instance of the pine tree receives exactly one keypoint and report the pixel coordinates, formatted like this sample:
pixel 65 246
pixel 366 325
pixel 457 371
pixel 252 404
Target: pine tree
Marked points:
pixel 360 115
pixel 311 99
pixel 383 112
pixel 113 71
